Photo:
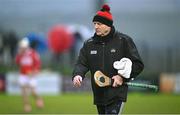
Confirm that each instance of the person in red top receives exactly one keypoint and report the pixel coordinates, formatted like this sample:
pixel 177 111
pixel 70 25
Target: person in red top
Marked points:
pixel 29 64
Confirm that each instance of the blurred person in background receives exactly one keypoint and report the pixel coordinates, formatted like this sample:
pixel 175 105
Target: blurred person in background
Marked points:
pixel 78 42
pixel 99 53
pixel 12 40
pixel 1 48
pixel 29 63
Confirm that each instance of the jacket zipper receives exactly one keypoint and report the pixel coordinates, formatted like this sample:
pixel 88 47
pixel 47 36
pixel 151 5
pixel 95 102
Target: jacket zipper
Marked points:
pixel 103 56
pixel 103 45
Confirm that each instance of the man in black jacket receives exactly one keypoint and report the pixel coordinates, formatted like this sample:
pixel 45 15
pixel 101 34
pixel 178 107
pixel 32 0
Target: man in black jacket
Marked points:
pixel 99 54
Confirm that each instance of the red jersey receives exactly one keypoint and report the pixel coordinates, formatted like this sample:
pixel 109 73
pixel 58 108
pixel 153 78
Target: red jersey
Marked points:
pixel 29 61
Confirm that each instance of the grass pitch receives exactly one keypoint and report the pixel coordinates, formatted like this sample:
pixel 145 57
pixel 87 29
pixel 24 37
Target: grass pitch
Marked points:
pixel 81 103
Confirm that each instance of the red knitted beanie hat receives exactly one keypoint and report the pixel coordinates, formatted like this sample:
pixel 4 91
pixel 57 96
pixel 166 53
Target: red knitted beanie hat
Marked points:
pixel 104 16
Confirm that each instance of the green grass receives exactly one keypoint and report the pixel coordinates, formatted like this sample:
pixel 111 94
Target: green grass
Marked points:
pixel 153 104
pixel 82 103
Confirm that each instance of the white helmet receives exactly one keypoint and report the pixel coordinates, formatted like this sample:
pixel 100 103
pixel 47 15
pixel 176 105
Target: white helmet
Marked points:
pixel 24 43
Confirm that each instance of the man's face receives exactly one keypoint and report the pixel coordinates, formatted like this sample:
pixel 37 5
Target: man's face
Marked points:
pixel 101 29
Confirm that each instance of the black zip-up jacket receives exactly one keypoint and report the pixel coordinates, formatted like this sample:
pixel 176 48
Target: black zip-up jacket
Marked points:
pixel 99 53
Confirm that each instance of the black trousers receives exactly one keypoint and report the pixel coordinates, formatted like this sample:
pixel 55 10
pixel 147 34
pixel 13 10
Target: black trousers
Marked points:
pixel 112 109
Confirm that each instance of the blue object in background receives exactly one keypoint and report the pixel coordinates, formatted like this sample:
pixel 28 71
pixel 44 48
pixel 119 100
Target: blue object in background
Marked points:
pixel 38 42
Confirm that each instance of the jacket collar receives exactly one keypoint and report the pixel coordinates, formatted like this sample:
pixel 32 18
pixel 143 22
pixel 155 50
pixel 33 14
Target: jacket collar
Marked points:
pixel 104 39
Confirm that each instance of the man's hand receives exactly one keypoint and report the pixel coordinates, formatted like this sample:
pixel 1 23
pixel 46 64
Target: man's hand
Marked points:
pixel 77 81
pixel 118 80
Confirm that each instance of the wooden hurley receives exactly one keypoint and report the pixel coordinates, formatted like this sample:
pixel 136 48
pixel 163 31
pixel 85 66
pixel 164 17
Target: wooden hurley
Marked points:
pixel 102 81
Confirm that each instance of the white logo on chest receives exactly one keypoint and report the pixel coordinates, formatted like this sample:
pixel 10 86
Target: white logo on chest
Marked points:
pixel 113 50
pixel 93 52
pixel 26 60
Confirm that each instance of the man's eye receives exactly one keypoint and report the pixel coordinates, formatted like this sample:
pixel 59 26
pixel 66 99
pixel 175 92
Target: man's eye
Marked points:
pixel 99 24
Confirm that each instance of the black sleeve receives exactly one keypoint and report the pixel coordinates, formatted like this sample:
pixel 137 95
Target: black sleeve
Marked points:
pixel 132 53
pixel 81 66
